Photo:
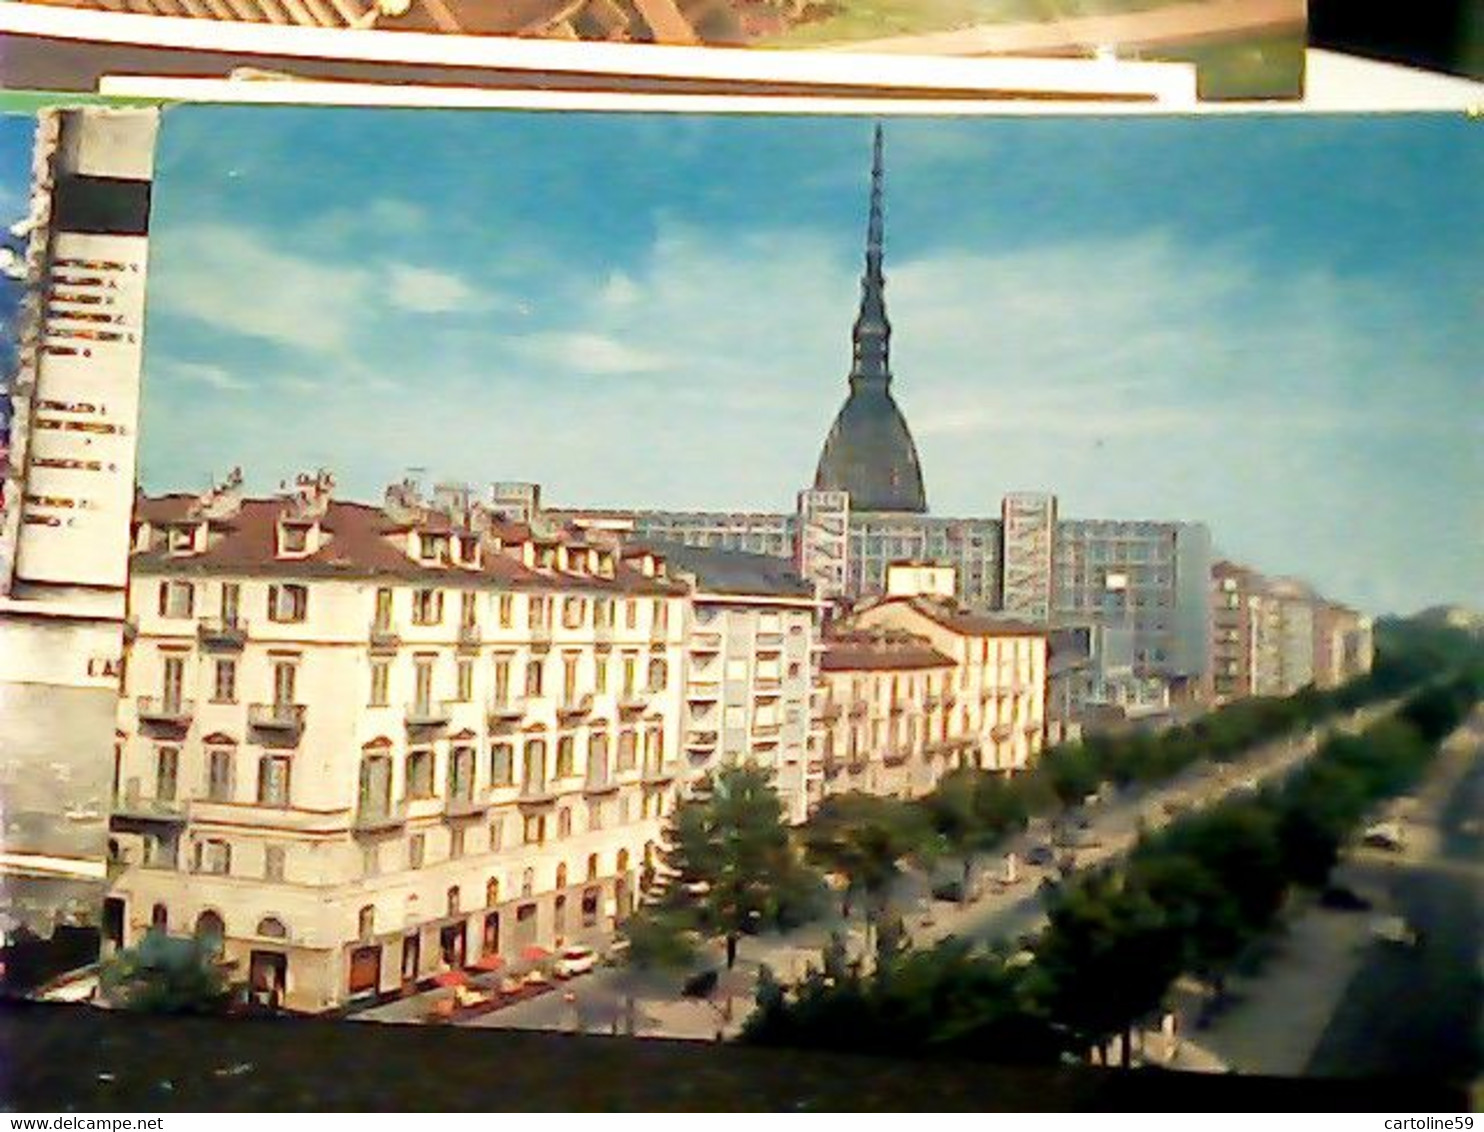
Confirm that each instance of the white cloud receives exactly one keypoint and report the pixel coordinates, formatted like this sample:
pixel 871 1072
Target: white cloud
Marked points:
pixel 425 290
pixel 586 353
pixel 200 373
pixel 242 281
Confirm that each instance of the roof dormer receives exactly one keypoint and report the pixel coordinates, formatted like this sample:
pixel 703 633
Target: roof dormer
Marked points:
pixel 467 551
pixel 297 538
pixel 432 548
pixel 605 567
pixel 528 555
pixel 182 539
pixel 563 559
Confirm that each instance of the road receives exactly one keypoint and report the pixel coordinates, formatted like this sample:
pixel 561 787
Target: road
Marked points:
pixel 998 914
pixel 1418 1013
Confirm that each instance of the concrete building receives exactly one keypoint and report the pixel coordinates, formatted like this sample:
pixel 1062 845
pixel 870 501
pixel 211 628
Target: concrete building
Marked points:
pixel 64 527
pixel 999 693
pixel 356 742
pixel 1271 637
pixel 751 652
pixel 888 715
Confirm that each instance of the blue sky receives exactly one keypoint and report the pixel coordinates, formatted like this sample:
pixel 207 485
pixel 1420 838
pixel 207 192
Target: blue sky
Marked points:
pixel 1272 324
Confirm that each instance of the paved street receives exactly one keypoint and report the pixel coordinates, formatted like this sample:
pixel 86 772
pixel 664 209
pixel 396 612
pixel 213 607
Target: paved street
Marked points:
pixel 599 997
pixel 1418 1013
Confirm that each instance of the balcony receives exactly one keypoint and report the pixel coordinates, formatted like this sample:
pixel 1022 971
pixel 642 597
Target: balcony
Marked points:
pixel 603 635
pixel 465 806
pixel 769 642
pixel 707 693
pixel 829 713
pixel 504 713
pixel 896 755
pixel 860 709
pixel 659 775
pixel 659 634
pixel 536 794
pixel 576 706
pixel 600 784
pixel 428 713
pixel 768 683
pixel 701 740
pixel 384 635
pixel 470 638
pixel 284 720
pixel 540 638
pixel 375 816
pixel 221 634
pixel 131 809
pixel 632 700
pixel 705 643
pixel 165 711
pixel 1002 732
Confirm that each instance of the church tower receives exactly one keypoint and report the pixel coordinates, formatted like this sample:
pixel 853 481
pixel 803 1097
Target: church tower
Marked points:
pixel 869 451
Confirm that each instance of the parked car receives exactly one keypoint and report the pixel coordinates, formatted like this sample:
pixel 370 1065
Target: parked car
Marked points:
pixel 1341 899
pixel 1395 930
pixel 952 892
pixel 1040 855
pixel 575 961
pixel 700 985
pixel 1386 835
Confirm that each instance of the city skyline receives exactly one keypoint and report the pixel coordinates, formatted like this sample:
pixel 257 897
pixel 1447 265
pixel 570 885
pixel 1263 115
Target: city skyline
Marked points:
pixel 666 301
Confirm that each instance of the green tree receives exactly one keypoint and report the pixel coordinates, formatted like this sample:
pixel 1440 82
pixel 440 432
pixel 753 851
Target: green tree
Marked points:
pixel 166 974
pixel 953 811
pixel 661 949
pixel 1074 773
pixel 866 839
pixel 729 857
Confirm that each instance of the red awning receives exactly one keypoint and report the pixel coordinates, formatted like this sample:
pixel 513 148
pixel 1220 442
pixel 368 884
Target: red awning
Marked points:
pixel 534 954
pixel 490 962
pixel 451 979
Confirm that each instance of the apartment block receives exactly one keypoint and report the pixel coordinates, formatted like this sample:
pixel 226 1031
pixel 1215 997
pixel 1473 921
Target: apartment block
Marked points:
pixel 358 743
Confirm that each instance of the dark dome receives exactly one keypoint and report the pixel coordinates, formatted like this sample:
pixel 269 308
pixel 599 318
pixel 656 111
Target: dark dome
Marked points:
pixel 869 453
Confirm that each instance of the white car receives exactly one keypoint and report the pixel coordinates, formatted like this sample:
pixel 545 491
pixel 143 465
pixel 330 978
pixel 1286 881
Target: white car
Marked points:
pixel 575 961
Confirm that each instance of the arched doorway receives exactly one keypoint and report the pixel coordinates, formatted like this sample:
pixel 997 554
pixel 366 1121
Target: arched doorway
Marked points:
pixel 211 932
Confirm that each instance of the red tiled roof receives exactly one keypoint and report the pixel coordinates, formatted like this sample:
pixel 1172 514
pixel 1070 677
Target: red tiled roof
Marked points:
pixel 358 547
pixel 868 651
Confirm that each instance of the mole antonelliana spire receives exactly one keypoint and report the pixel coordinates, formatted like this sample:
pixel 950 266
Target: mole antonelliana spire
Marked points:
pixel 869 451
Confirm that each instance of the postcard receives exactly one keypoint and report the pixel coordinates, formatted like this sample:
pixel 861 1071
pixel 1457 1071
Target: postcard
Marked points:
pixel 507 480
pixel 1241 49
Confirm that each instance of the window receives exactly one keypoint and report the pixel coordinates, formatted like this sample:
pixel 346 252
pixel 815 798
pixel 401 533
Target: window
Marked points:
pixel 461 773
pixel 432 548
pixel 287 603
pixel 284 675
pixel 595 814
pixel 381 674
pixel 573 612
pixel 534 779
pixel 219 775
pixel 502 764
pixel 506 610
pixel 213 857
pixel 535 831
pixel 167 771
pixel 231 602
pixel 569 678
pixel 528 882
pixel 540 612
pixel 273 781
pixel 465 691
pixel 427 607
pixel 630 674
pixel 592 866
pixel 661 616
pixel 564 824
pixel 659 675
pixel 366 923
pixel 624 812
pixel 273 862
pixel 597 759
pixel 502 680
pixel 417 846
pixel 159 918
pixel 600 673
pixel 793 671
pixel 293 538
pixel 533 678
pixel 469 610
pixel 627 751
pixel 453 901
pixel 172 682
pixel 371 860
pixel 497 835
pixel 566 759
pixel 224 689
pixel 631 614
pixel 182 540
pixel 420 773
pixel 383 619
pixel 492 892
pixel 455 843
pixel 177 599
pixel 603 612
pixel 737 669
pixel 422 691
